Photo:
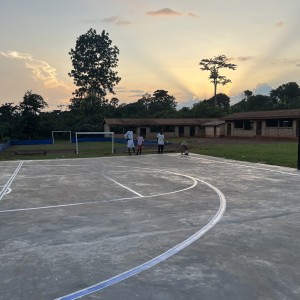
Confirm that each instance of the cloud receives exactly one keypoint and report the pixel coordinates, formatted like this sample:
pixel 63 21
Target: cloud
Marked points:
pixel 192 15
pixel 279 24
pixel 117 20
pixel 163 12
pixel 188 103
pixel 286 61
pixel 262 89
pixel 244 58
pixel 40 70
pixel 126 94
pixel 136 91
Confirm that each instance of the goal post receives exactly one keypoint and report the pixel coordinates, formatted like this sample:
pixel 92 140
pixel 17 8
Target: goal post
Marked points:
pixel 62 131
pixel 105 134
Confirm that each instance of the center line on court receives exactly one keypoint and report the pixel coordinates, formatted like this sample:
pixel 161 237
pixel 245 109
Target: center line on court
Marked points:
pixel 122 185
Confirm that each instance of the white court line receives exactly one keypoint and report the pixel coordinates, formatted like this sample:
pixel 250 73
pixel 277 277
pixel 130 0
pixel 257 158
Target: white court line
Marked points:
pixel 122 185
pixel 9 182
pixel 242 165
pixel 9 190
pixel 156 260
pixel 101 201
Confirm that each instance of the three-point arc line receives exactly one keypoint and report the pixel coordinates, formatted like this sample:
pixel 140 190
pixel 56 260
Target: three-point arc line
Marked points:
pixel 101 285
pixel 101 201
pixel 156 260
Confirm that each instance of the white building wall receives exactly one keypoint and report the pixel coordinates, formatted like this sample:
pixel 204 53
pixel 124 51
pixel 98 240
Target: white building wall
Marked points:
pixel 243 133
pixel 209 131
pixel 279 132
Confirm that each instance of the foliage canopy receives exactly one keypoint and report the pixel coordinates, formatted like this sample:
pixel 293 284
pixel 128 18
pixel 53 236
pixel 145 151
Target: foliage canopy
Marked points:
pixel 213 65
pixel 94 60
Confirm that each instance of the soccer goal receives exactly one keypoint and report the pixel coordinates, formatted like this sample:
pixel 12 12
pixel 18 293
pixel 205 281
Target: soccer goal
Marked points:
pixel 93 138
pixel 61 135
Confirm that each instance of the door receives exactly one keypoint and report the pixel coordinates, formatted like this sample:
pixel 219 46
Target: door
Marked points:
pixel 258 127
pixel 228 129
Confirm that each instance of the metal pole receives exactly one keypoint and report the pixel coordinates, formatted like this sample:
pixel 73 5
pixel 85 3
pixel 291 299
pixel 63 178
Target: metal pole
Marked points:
pixel 76 140
pixel 298 166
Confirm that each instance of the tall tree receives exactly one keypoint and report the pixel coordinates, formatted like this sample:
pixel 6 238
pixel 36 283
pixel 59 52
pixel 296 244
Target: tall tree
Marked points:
pixel 114 102
pixel 8 118
pixel 213 65
pixel 8 111
pixel 32 104
pixel 30 109
pixel 286 94
pixel 94 60
pixel 161 101
pixel 223 102
pixel 247 94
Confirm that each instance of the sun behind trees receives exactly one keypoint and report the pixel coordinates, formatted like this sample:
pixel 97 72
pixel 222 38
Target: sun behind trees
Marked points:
pixel 214 65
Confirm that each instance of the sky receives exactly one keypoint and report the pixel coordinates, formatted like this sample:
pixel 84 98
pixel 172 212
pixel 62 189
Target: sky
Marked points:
pixel 161 44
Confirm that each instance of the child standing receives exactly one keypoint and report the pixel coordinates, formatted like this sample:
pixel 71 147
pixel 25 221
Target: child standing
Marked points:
pixel 140 144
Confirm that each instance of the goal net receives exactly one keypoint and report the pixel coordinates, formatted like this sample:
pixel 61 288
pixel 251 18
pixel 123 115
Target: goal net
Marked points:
pixel 93 142
pixel 61 136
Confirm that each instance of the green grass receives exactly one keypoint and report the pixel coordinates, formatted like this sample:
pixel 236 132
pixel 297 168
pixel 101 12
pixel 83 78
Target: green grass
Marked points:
pixel 280 154
pixel 59 150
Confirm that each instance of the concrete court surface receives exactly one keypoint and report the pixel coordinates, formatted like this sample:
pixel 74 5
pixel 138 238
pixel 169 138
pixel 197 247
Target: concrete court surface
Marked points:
pixel 67 225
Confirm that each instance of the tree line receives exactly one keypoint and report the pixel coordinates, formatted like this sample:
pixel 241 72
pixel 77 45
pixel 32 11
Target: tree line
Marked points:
pixel 94 61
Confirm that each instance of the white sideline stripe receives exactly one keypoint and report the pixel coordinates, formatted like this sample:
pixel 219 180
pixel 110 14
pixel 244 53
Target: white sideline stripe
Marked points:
pixel 156 260
pixel 247 166
pixel 9 182
pixel 65 205
pixel 101 201
pixel 122 185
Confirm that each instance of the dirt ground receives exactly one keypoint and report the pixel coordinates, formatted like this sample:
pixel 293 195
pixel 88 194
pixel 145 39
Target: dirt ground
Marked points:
pixel 242 140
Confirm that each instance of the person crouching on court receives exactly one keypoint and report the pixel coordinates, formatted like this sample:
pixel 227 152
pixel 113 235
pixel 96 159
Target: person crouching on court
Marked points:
pixel 184 148
pixel 140 144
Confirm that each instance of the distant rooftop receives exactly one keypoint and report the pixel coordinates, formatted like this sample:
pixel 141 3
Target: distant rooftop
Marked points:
pixel 260 115
pixel 157 122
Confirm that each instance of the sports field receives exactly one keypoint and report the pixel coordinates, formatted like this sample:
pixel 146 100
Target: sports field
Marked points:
pixel 149 227
pixel 272 152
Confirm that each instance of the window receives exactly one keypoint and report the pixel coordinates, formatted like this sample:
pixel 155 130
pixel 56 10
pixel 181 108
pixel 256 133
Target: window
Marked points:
pixel 280 123
pixel 238 124
pixel 272 123
pixel 248 125
pixel 286 123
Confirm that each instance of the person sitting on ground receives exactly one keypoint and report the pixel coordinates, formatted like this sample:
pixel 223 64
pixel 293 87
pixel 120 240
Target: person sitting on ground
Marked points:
pixel 184 148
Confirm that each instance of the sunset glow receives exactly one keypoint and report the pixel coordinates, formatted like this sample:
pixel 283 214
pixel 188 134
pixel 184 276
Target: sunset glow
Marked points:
pixel 161 44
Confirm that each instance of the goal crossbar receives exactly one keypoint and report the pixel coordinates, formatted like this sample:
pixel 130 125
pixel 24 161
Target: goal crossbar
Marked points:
pixel 105 133
pixel 61 131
